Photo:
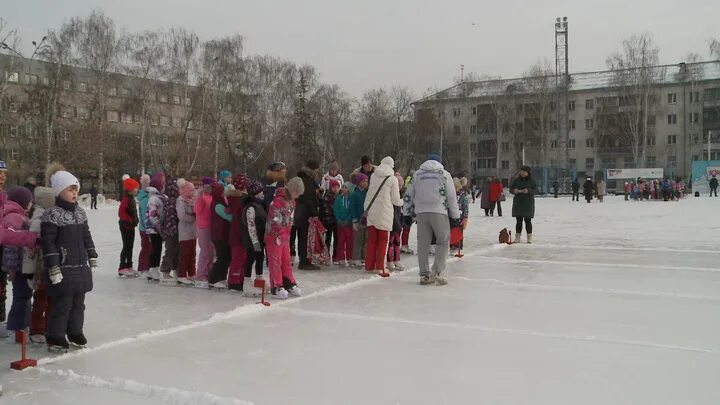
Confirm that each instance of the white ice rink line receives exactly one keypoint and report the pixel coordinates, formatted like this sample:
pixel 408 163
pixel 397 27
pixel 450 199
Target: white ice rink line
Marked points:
pixel 495 283
pixel 620 248
pixel 517 332
pixel 606 265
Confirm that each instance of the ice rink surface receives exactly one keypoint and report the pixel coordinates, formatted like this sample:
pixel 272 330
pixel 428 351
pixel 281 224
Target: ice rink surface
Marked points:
pixel 613 303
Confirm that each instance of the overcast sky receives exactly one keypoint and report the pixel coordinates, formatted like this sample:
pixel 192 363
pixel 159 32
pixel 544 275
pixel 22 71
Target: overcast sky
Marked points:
pixel 378 43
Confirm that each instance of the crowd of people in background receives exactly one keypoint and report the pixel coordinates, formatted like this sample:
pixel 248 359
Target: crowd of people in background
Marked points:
pixel 654 189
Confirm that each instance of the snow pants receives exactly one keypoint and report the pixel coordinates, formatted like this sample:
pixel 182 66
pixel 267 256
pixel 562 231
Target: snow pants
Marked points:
pixel 157 242
pixel 66 316
pixel 19 315
pixel 40 309
pixel 207 254
pixel 279 263
pixel 145 252
pixel 238 258
pixel 219 271
pixel 344 245
pixel 172 254
pixel 186 261
pixel 393 254
pixel 377 244
pixel 128 240
pixel 359 240
pixel 429 224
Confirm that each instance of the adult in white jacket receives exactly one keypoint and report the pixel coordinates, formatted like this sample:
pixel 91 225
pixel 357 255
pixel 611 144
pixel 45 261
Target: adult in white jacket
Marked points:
pixel 431 198
pixel 385 191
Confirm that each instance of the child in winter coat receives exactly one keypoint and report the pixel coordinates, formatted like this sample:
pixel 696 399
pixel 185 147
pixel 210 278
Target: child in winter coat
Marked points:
pixel 170 233
pixel 187 233
pixel 238 253
pixel 16 210
pixel 327 216
pixel 154 222
pixel 277 239
pixel 220 233
pixel 254 221
pixel 357 211
pixel 203 218
pixel 69 258
pixel 128 220
pixel 463 200
pixel 33 265
pixel 341 210
pixel 145 244
pixel 395 240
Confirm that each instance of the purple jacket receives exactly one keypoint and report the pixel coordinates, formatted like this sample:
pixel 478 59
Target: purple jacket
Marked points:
pixel 15 219
pixel 10 237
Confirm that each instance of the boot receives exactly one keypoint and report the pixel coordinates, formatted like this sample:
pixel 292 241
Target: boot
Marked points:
pixel 517 237
pixel 529 238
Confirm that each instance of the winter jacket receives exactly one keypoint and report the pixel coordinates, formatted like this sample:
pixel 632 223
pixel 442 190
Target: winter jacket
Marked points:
pixel 15 219
pixel 155 212
pixel 626 188
pixel 9 237
pixel 486 200
pixel 325 183
pixel 601 188
pixel 714 183
pixel 127 212
pixel 432 190
pixel 68 244
pixel 341 210
pixel 236 204
pixel 524 204
pixel 44 199
pixel 307 204
pixel 496 190
pixel 464 204
pixel 381 213
pixel 575 186
pixel 254 220
pixel 279 218
pixel 143 200
pixel 273 181
pixel 357 204
pixel 327 213
pixel 185 211
pixel 170 221
pixel 220 219
pixel 203 210
pixel 588 188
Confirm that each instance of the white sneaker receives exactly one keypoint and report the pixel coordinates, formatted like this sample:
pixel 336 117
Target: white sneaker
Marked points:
pixel 154 274
pixel 202 284
pixel 406 250
pixel 220 285
pixel 280 293
pixel 295 291
pixel 399 266
pixel 185 281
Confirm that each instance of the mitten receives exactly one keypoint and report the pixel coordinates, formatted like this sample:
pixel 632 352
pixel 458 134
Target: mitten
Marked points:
pixel 55 275
pixel 93 262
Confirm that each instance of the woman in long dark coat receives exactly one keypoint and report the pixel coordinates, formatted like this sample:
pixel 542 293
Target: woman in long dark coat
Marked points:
pixel 524 189
pixel 485 202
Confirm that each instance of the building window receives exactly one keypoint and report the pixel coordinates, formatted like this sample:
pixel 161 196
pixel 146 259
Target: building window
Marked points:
pixel 651 120
pixel 628 162
pixel 13 131
pixel 473 164
pixel 176 122
pixel 589 164
pixel 589 123
pixel 66 84
pixel 505 146
pixel 505 164
pixel 138 119
pixel 126 117
pixel 45 81
pixel 176 99
pixel 519 108
pixel 672 139
pixel 695 158
pixel 152 96
pixel 33 79
pixel 474 111
pixel 608 163
pixel 82 87
pixel 554 144
pixel 188 101
pixel 12 77
pixel 695 97
pixel 64 135
pixel 571 144
pixel 113 116
pixel 154 120
pixel 590 143
pixel 164 121
pixel 571 124
pixel 473 129
pixel 83 113
pixel 68 112
pixel 571 105
pixel 14 107
pixel 589 104
pixel 14 155
pixel 651 140
pixel 112 91
pixel 163 98
pixel 694 118
pixel 672 161
pixel 456 130
pixel 672 98
pixel 572 163
pixel 650 161
pixel 672 119
pixel 125 92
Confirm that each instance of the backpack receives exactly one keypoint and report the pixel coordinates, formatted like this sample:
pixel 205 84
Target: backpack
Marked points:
pixel 504 236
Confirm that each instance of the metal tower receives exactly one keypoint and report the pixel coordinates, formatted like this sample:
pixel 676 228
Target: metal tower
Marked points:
pixel 562 83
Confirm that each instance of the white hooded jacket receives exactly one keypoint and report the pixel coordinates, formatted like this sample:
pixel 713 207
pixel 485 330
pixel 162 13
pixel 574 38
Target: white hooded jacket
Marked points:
pixel 381 213
pixel 431 190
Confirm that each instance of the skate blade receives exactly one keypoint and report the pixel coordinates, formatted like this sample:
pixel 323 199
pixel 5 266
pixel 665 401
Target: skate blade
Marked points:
pixel 77 346
pixel 57 349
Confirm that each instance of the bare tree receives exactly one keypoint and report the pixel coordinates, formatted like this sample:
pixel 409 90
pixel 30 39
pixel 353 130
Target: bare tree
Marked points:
pixel 332 115
pixel 540 86
pixel 635 78
pixel 714 45
pixel 401 98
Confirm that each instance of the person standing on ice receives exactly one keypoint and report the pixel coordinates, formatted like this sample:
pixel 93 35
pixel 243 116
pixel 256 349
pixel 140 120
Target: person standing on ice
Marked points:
pixel 601 189
pixel 69 259
pixel 277 239
pixel 382 195
pixel 203 218
pixel 145 245
pixel 713 186
pixel 431 198
pixel 220 233
pixel 187 232
pixel 238 252
pixel 626 190
pixel 576 190
pixel 128 220
pixel 524 189
pixel 170 233
pixel 588 189
pixel 153 222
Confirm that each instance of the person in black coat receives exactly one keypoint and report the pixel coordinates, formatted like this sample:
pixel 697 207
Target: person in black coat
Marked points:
pixel 68 256
pixel 523 188
pixel 576 190
pixel 93 197
pixel 307 206
pixel 713 186
pixel 254 218
pixel 588 189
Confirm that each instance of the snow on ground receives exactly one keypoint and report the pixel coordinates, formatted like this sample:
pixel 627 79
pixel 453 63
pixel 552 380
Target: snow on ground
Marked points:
pixel 614 303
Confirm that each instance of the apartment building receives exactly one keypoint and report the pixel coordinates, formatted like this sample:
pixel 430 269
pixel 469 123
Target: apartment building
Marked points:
pixel 493 127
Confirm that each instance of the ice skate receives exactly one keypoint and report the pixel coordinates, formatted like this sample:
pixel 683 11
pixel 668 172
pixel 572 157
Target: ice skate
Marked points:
pixel 295 291
pixel 202 284
pixel 167 279
pixel 440 280
pixel 390 267
pixel 57 345
pixel 406 250
pixel 153 274
pixel 426 280
pixel 38 338
pixel 126 273
pixel 383 273
pixel 78 340
pixel 220 285
pixel 185 281
pixel 399 266
pixel 279 293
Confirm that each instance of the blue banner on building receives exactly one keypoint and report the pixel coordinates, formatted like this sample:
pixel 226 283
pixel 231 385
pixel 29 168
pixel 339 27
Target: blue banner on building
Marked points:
pixel 702 172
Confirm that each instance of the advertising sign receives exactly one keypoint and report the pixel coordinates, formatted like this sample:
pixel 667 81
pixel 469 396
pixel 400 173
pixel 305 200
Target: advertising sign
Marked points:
pixel 621 174
pixel 702 172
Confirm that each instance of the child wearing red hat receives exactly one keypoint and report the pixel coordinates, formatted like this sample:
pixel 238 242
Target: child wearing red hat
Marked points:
pixel 128 220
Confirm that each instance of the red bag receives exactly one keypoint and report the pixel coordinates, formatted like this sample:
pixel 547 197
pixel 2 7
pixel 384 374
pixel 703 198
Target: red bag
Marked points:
pixel 456 235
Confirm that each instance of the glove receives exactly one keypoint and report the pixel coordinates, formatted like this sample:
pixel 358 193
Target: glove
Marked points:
pixel 356 226
pixel 257 247
pixel 55 275
pixel 93 262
